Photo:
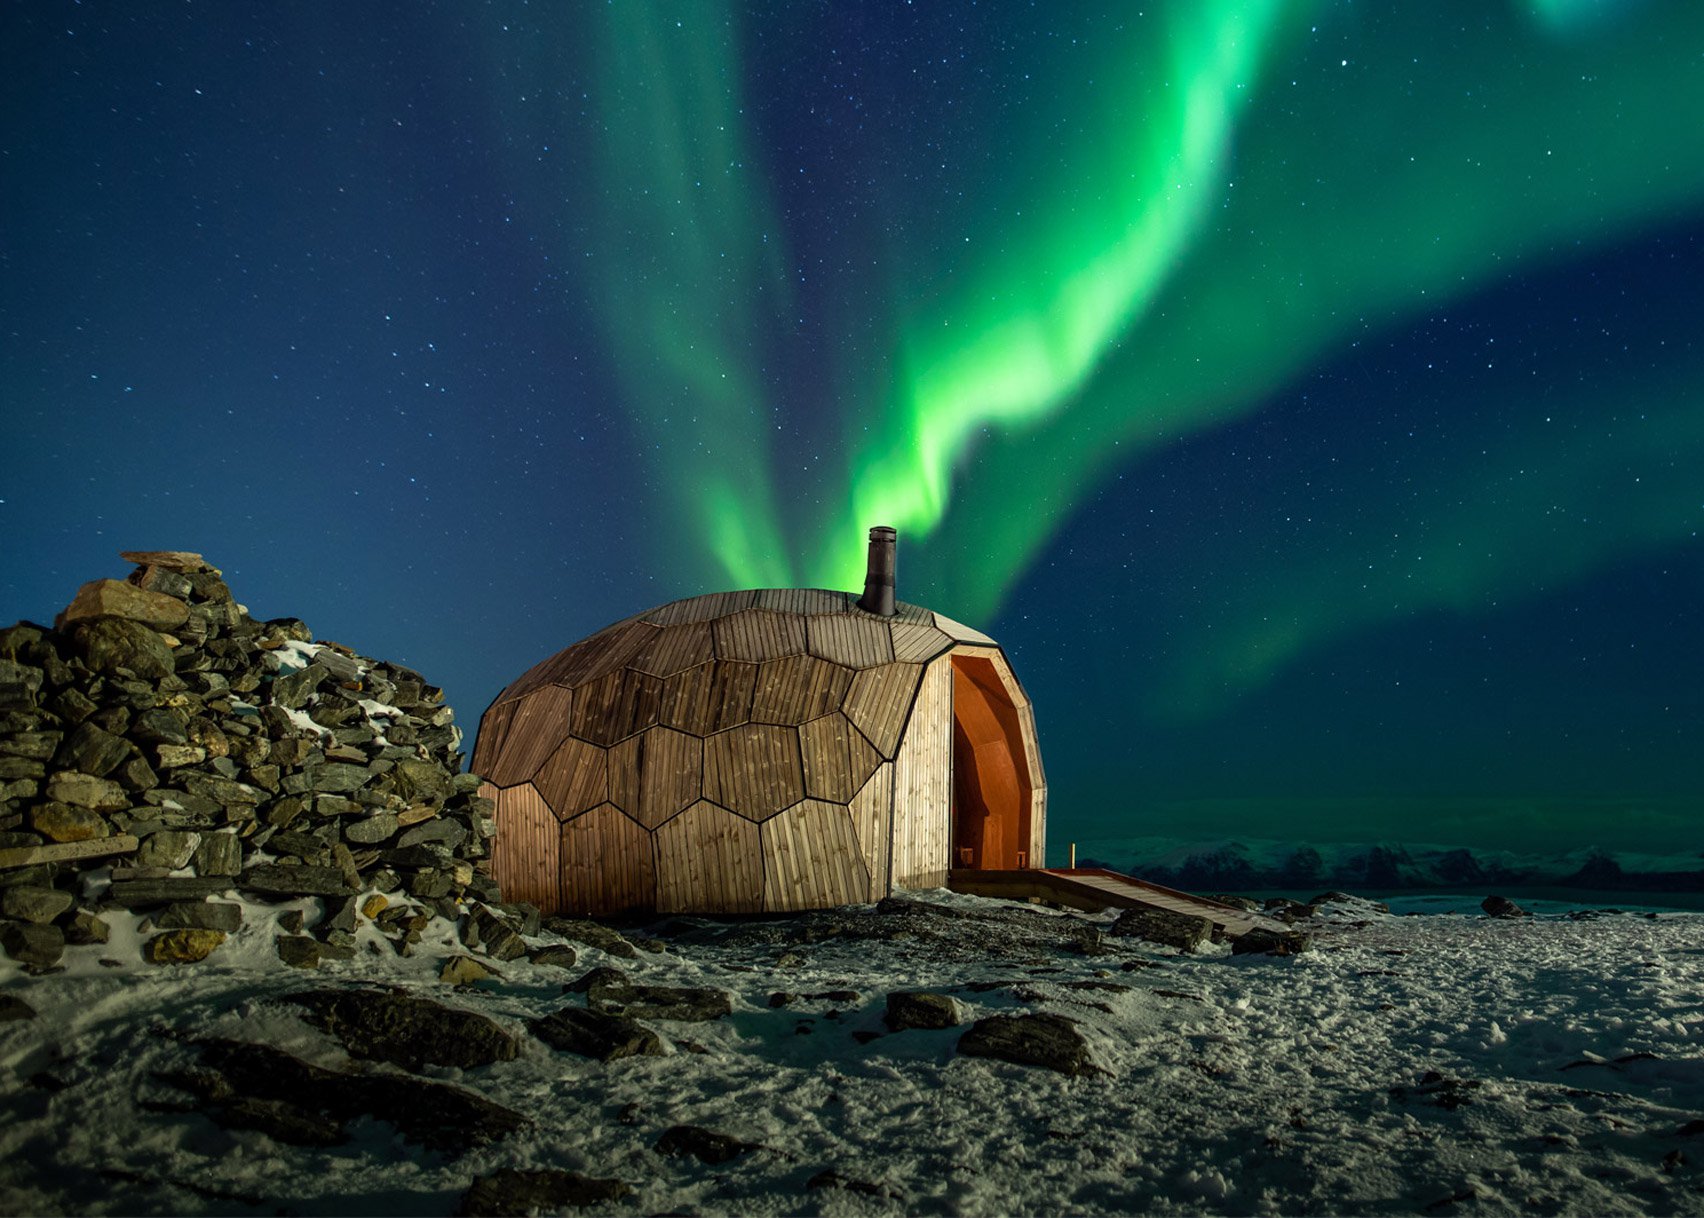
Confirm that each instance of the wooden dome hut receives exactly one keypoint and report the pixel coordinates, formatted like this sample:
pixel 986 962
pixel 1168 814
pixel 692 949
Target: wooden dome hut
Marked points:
pixel 757 751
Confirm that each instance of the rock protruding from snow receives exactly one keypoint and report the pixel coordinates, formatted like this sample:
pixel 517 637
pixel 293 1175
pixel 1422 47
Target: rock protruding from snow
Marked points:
pixel 1501 907
pixel 1263 942
pixel 439 1116
pixel 920 1009
pixel 161 736
pixel 1186 932
pixel 510 1191
pixel 596 1035
pixel 405 1030
pixel 705 1145
pixel 1036 1039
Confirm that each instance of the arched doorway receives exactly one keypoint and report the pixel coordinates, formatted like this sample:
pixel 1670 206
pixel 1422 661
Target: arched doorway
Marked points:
pixel 992 784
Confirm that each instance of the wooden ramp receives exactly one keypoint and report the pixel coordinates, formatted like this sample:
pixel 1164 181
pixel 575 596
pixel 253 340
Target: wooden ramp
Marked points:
pixel 1092 888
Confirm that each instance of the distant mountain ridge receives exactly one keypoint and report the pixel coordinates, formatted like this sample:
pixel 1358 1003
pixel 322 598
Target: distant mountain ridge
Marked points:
pixel 1251 864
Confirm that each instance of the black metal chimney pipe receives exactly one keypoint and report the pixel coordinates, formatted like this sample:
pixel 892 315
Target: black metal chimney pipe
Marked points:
pixel 879 575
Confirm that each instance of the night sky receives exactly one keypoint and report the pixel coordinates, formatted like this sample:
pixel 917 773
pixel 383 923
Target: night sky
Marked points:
pixel 1308 395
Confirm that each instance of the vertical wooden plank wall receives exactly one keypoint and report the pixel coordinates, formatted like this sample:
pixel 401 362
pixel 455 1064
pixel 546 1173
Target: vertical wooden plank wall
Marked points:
pixel 922 786
pixel 709 859
pixel 811 858
pixel 525 858
pixel 1038 784
pixel 607 864
pixel 872 816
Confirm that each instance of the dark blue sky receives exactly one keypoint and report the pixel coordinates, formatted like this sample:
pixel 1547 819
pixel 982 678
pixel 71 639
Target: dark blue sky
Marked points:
pixel 462 333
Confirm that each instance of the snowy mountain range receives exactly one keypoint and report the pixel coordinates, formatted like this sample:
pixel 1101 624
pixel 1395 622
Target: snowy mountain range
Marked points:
pixel 1248 864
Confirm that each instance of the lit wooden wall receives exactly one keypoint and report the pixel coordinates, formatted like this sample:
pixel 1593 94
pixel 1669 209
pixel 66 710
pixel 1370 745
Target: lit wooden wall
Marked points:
pixel 736 753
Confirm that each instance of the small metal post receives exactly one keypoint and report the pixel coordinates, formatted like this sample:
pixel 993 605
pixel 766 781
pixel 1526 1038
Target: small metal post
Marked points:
pixel 1073 866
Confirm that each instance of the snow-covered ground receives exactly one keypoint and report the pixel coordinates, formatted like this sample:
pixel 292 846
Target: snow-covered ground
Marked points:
pixel 1429 1064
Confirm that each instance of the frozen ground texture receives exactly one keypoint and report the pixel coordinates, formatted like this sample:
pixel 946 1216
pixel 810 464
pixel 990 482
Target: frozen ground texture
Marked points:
pixel 1438 1064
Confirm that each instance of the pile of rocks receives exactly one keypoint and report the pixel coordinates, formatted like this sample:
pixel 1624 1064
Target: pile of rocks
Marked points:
pixel 160 747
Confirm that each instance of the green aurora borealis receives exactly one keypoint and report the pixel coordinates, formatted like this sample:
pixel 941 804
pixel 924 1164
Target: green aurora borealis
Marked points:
pixel 1306 392
pixel 1211 200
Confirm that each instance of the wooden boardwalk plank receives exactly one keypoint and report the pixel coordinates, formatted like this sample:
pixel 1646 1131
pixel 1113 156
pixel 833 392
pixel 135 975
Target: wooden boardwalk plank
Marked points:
pixel 1090 889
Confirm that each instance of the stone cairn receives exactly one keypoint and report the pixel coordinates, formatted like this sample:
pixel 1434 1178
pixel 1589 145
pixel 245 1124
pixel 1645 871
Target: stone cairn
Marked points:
pixel 161 732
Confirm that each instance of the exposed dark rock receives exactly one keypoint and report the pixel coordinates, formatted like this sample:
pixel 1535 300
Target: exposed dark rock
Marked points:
pixel 184 946
pixel 168 848
pixel 830 1178
pixel 282 879
pixel 109 644
pixel 463 970
pixel 407 1031
pixel 554 955
pixel 596 1035
pixel 491 933
pixel 1247 904
pixel 509 1191
pixel 138 893
pixel 59 822
pixel 201 915
pixel 299 951
pixel 218 854
pixel 705 1145
pixel 13 1009
pixel 113 598
pixel 1182 931
pixel 918 1009
pixel 92 751
pixel 280 1121
pixel 682 1003
pixel 85 929
pixel 436 1115
pixel 1261 941
pixel 1502 907
pixel 31 903
pixel 1036 1039
pixel 1438 1090
pixel 592 934
pixel 82 790
pixel 33 943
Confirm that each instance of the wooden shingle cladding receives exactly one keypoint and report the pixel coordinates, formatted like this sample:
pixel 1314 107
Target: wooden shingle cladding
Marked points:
pixel 768 750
